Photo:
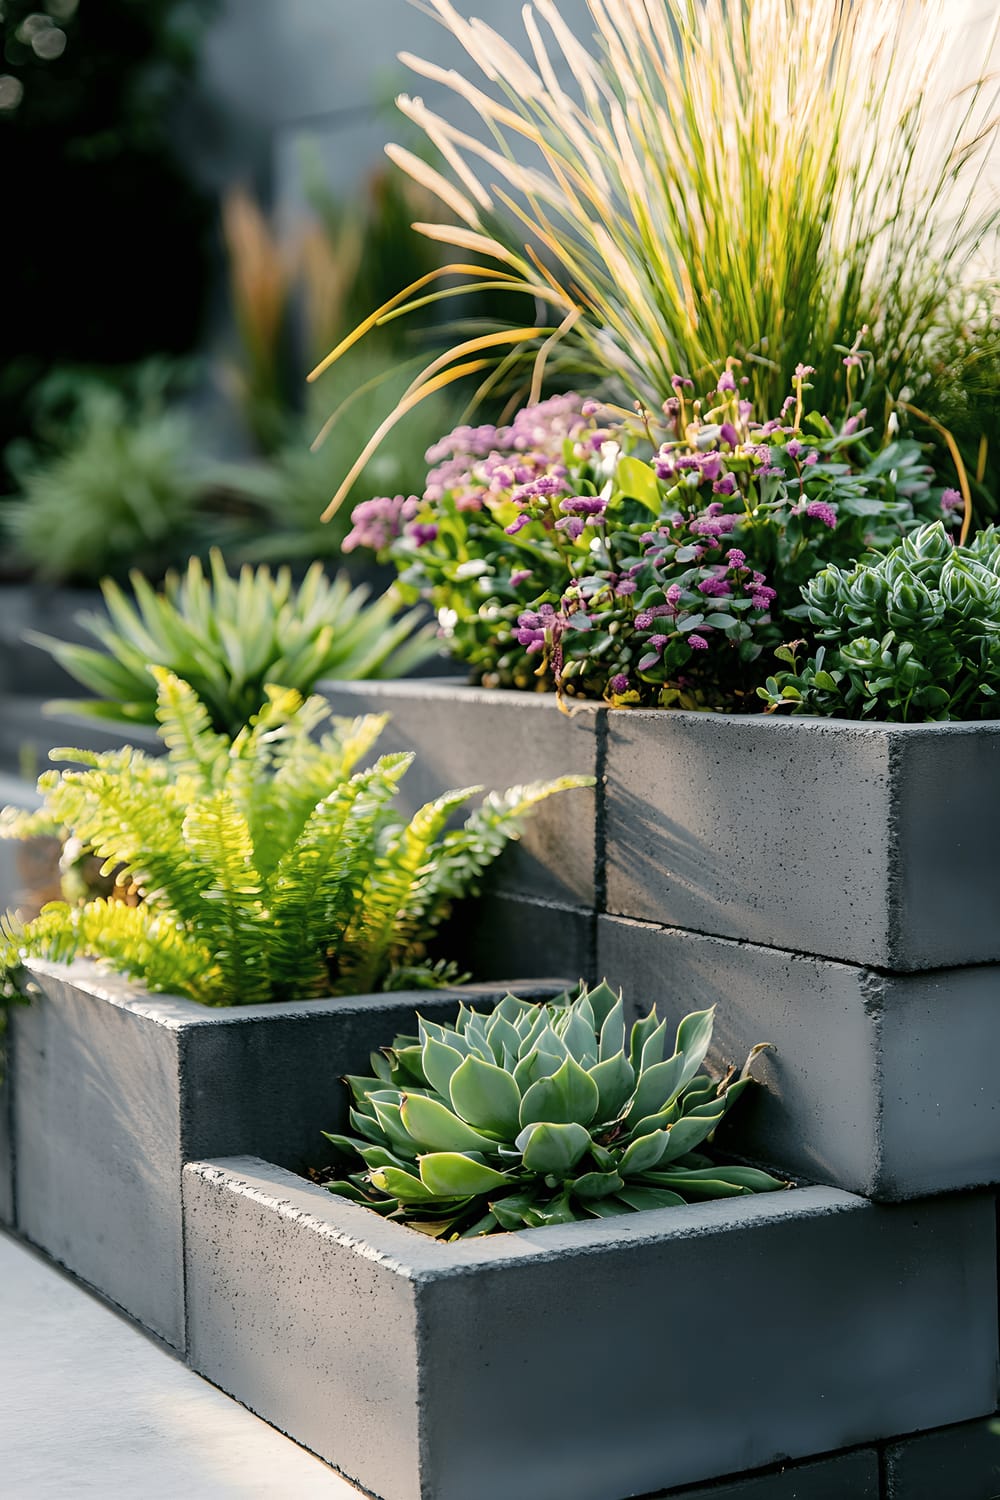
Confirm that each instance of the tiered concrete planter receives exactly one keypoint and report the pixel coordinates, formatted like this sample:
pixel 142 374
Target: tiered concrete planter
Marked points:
pixel 114 1090
pixel 831 885
pixel 596 1360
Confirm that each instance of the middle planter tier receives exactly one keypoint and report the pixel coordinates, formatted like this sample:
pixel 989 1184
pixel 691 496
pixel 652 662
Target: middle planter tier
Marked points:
pixel 867 843
pixel 826 883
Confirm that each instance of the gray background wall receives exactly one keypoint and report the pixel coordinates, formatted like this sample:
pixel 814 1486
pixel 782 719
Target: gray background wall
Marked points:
pixel 282 73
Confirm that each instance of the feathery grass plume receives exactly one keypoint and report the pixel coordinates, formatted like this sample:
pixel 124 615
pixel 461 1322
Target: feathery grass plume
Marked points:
pixel 761 176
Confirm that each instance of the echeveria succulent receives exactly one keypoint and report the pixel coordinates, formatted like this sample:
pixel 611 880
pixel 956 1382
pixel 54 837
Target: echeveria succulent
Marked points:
pixel 540 1114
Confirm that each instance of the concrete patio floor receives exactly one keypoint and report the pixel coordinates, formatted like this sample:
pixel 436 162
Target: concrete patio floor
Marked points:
pixel 92 1407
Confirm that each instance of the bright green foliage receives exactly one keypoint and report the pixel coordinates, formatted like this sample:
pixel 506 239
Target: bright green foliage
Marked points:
pixel 540 1114
pixel 266 869
pixel 908 637
pixel 228 637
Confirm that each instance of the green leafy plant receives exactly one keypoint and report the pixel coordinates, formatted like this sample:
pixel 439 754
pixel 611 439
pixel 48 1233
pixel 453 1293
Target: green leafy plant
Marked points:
pixel 908 637
pixel 265 869
pixel 764 177
pixel 230 637
pixel 555 554
pixel 540 1114
pixel 123 488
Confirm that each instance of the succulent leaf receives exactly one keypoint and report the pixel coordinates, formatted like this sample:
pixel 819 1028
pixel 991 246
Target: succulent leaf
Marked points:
pixel 435 1128
pixel 569 1096
pixel 521 1126
pixel 485 1095
pixel 449 1174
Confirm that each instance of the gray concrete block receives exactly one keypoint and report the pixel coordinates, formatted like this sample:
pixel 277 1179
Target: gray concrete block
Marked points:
pixel 114 1090
pixel 873 1085
pixel 436 1372
pixel 866 843
pixel 961 1463
pixel 870 843
pixel 846 1476
pixel 512 935
pixel 467 736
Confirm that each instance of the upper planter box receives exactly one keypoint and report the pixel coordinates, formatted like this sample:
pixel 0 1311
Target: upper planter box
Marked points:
pixel 868 843
pixel 114 1089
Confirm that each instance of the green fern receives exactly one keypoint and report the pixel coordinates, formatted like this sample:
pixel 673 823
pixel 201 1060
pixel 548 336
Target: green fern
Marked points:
pixel 265 868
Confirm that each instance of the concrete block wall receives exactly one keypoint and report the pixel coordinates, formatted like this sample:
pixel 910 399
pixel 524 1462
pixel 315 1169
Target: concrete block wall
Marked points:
pixel 827 886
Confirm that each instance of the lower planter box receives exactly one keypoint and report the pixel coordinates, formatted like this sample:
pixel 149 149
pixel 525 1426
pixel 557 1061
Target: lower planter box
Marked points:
pixel 596 1360
pixel 114 1089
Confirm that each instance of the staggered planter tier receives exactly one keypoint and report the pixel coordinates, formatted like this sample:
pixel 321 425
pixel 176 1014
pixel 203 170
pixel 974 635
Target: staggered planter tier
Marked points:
pixel 883 1084
pixel 830 885
pixel 112 1091
pixel 867 843
pixel 598 1360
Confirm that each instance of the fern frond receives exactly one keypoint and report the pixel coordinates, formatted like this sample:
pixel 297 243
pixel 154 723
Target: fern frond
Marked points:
pixel 319 887
pixel 151 949
pixel 393 891
pixel 193 746
pixel 234 919
pixel 464 854
pixel 264 870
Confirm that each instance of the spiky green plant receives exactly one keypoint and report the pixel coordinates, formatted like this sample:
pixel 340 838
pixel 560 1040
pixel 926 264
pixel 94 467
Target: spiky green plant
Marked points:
pixel 540 1114
pixel 760 177
pixel 265 869
pixel 228 637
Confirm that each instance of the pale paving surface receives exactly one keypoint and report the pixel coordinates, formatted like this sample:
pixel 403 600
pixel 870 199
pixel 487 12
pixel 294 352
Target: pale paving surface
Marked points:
pixel 90 1407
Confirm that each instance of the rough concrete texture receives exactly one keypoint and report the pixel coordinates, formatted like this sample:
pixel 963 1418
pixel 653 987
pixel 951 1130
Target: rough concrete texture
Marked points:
pixel 511 935
pixel 97 1147
pixel 959 1463
pixel 438 1372
pixel 872 1085
pixel 870 843
pixel 114 1091
pixel 845 1476
pixel 465 736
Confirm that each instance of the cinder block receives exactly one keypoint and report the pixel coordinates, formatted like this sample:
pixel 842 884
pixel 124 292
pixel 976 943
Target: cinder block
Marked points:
pixel 114 1090
pixel 513 935
pixel 870 843
pixel 466 736
pixel 960 1463
pixel 429 1371
pixel 875 1084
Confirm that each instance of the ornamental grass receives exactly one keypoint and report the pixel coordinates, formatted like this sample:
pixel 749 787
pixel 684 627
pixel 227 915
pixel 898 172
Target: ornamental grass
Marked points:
pixel 765 178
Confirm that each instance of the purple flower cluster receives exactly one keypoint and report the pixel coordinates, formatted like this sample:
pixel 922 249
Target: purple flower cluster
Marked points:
pixel 378 522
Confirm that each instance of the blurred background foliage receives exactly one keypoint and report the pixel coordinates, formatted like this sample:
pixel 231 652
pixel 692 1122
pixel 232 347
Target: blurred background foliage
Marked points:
pixel 153 395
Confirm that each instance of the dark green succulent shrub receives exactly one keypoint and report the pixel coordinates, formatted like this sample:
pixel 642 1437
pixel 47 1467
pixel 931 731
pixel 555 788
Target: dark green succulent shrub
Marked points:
pixel 261 868
pixel 908 637
pixel 540 1114
pixel 229 637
